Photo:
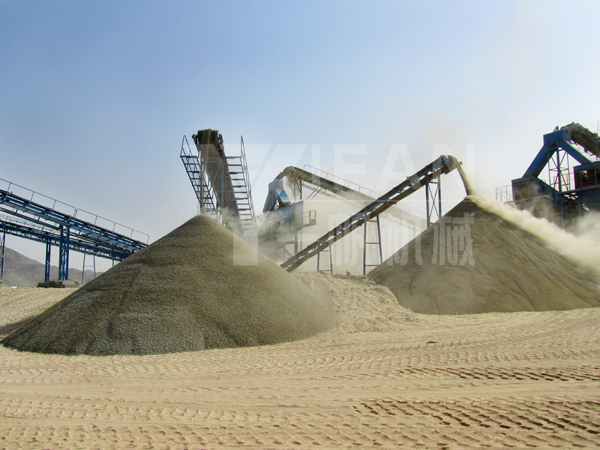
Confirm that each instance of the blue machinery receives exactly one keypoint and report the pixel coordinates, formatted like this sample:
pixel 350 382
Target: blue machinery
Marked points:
pixel 568 194
pixel 43 219
pixel 428 177
pixel 221 183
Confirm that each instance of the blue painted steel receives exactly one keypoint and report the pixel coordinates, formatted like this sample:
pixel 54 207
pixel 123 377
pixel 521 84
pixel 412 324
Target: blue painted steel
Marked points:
pixel 572 151
pixel 276 197
pixel 2 261
pixel 48 225
pixel 63 254
pixel 553 142
pixel 87 232
pixel 567 202
pixel 36 234
pixel 47 261
pixel 587 184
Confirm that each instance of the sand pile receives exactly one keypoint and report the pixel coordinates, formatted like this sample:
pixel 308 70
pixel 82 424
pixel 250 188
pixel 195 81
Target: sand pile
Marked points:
pixel 473 261
pixel 21 305
pixel 359 305
pixel 185 292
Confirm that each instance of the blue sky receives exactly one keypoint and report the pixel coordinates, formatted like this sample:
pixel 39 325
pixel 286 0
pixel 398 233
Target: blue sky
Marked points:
pixel 96 96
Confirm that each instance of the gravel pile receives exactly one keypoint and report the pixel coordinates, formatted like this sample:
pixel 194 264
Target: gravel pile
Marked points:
pixel 188 291
pixel 476 261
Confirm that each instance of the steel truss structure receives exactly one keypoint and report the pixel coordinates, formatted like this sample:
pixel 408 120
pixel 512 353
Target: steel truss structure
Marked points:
pixel 567 194
pixel 34 216
pixel 318 181
pixel 321 182
pixel 374 242
pixel 443 165
pixel 221 183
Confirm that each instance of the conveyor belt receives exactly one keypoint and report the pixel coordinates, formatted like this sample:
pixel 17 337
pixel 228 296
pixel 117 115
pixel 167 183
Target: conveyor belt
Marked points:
pixel 444 164
pixel 582 136
pixel 93 234
pixel 360 195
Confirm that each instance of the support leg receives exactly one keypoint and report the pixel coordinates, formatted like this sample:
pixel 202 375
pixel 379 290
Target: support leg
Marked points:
pixel 47 262
pixel 2 259
pixel 326 250
pixel 433 199
pixel 427 200
pixel 439 197
pixel 365 225
pixel 63 263
pixel 83 270
pixel 376 241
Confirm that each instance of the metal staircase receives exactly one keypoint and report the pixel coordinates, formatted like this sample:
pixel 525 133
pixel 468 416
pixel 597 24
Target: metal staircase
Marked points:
pixel 196 170
pixel 240 182
pixel 221 183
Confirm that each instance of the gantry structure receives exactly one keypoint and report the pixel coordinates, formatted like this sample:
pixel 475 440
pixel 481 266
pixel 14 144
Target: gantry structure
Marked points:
pixel 286 218
pixel 428 177
pixel 221 183
pixel 567 193
pixel 37 217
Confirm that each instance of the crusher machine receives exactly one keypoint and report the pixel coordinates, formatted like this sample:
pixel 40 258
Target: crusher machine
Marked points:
pixel 569 193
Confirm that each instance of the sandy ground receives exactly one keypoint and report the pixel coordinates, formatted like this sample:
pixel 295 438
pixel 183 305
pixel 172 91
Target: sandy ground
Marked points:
pixel 476 381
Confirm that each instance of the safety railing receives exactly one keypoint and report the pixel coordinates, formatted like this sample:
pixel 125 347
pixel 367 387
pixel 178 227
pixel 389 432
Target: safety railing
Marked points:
pixel 341 181
pixel 54 205
pixel 357 187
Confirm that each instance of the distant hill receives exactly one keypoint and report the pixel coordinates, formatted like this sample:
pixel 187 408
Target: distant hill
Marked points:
pixel 22 271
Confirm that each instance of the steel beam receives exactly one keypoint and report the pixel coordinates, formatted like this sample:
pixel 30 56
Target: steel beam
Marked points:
pixel 46 235
pixel 47 261
pixel 444 164
pixel 2 258
pixel 35 212
pixel 63 254
pixel 367 243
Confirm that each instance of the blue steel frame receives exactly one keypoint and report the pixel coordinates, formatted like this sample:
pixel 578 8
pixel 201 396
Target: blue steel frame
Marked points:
pixel 553 142
pixel 554 153
pixel 34 211
pixel 53 239
pixel 63 262
pixel 52 227
pixel 47 260
pixel 2 258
